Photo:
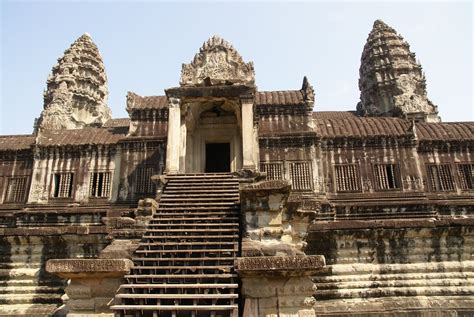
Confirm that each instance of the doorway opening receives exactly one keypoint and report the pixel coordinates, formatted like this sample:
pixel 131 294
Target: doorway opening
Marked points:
pixel 217 158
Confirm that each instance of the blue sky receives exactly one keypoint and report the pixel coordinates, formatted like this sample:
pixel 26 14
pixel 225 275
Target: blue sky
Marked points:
pixel 143 45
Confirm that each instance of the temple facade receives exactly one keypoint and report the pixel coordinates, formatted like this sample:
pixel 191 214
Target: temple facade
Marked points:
pixel 218 199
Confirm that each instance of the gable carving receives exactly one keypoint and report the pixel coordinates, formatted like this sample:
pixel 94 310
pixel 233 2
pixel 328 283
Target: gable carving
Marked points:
pixel 217 63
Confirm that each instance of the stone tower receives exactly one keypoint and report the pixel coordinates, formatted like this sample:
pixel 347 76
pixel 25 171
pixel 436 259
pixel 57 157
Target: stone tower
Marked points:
pixel 391 80
pixel 76 92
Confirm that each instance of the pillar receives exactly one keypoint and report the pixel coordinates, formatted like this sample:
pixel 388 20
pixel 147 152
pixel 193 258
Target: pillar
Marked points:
pixel 247 133
pixel 174 131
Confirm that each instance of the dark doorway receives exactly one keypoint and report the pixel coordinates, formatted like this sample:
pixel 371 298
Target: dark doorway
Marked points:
pixel 217 157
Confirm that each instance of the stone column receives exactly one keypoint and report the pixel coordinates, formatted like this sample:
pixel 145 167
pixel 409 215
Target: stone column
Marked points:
pixel 247 133
pixel 174 131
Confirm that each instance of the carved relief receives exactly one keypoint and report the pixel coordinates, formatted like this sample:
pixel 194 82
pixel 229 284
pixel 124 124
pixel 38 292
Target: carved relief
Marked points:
pixel 217 63
pixel 38 193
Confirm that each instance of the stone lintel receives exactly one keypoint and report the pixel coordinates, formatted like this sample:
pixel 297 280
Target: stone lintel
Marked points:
pixel 390 223
pixel 89 268
pixel 272 187
pixel 229 91
pixel 281 265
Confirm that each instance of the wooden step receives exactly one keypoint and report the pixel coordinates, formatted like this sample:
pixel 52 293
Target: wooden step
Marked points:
pixel 180 276
pixel 174 307
pixel 177 296
pixel 195 190
pixel 191 219
pixel 185 226
pixel 187 267
pixel 184 205
pixel 179 286
pixel 184 259
pixel 190 244
pixel 184 243
pixel 191 195
pixel 186 251
pixel 194 214
pixel 223 236
pixel 197 199
pixel 197 208
pixel 205 230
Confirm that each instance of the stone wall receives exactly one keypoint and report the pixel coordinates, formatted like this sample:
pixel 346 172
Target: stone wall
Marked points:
pixel 26 286
pixel 408 267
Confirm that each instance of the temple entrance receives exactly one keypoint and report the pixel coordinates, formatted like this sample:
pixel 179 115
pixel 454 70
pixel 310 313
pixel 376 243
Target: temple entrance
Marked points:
pixel 217 158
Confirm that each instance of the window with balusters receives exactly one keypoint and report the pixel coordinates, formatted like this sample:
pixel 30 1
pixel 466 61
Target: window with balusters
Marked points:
pixel 466 176
pixel 387 176
pixel 63 185
pixel 16 189
pixel 347 178
pixel 440 177
pixel 274 170
pixel 300 176
pixel 100 183
pixel 143 183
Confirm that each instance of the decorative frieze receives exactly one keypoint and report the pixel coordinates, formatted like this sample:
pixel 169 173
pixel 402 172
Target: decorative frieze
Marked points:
pixel 271 264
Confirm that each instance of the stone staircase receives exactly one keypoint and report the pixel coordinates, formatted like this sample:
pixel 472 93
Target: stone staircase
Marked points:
pixel 184 265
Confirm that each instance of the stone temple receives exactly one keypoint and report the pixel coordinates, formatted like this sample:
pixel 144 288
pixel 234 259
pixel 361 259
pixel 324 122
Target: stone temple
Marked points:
pixel 218 199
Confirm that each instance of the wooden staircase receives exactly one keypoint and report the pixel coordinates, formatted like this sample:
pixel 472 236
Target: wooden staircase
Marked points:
pixel 184 265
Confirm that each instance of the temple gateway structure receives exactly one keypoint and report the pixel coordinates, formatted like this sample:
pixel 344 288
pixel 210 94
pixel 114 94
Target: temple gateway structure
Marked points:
pixel 218 199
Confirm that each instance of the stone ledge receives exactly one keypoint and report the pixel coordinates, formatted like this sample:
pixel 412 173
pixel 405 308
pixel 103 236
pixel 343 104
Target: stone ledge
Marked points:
pixel 280 265
pixel 389 223
pixel 89 268
pixel 50 231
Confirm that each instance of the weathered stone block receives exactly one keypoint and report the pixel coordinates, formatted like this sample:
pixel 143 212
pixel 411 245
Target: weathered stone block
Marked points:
pixel 81 305
pixel 76 290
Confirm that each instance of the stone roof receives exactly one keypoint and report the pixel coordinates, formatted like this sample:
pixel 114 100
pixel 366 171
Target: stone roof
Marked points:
pixel 115 123
pixel 135 101
pixel 83 136
pixel 282 97
pixel 16 142
pixel 445 131
pixel 348 125
pixel 334 114
pixel 262 98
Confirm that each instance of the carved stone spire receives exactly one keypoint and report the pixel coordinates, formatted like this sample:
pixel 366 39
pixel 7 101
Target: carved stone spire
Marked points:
pixel 217 63
pixel 391 80
pixel 76 92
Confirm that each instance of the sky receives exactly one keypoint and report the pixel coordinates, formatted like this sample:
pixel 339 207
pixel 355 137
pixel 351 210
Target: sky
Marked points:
pixel 144 43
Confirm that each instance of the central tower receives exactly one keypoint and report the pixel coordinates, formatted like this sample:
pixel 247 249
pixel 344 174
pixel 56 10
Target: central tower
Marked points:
pixel 211 126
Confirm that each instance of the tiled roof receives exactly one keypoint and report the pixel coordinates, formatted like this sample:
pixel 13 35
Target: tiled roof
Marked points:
pixel 361 126
pixel 82 136
pixel 115 123
pixel 16 142
pixel 334 114
pixel 445 131
pixel 266 98
pixel 284 97
pixel 135 101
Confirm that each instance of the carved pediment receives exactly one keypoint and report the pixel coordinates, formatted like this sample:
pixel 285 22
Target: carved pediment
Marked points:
pixel 217 63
